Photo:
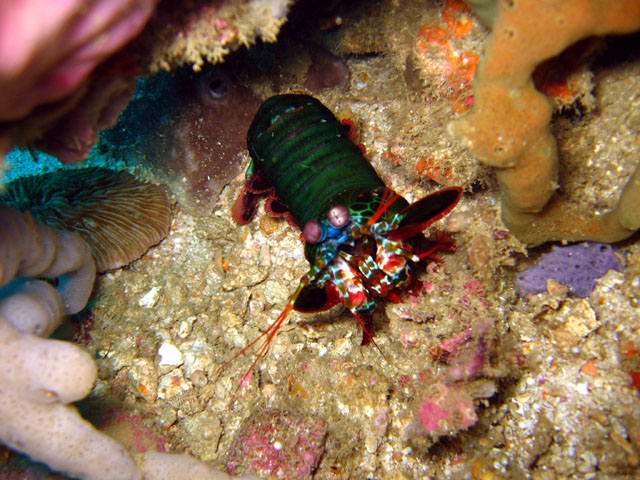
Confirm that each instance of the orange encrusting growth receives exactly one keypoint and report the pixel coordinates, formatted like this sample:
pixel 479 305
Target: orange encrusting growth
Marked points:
pixel 458 67
pixel 431 169
pixel 563 89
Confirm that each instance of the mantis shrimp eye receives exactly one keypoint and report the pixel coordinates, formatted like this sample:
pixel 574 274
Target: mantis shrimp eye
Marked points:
pixel 338 216
pixel 312 232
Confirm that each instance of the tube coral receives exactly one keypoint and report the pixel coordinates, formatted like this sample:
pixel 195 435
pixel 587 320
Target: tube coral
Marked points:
pixel 117 215
pixel 30 249
pixel 40 377
pixel 508 127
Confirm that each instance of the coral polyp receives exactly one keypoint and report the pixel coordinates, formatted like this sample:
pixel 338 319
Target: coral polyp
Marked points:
pixel 118 216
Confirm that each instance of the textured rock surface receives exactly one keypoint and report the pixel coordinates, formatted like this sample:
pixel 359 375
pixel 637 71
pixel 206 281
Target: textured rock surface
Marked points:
pixel 557 393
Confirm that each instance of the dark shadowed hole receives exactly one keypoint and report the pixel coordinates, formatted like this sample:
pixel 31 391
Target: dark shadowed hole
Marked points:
pixel 218 87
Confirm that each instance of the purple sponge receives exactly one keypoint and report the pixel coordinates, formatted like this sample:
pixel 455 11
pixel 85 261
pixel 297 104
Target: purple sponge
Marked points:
pixel 577 266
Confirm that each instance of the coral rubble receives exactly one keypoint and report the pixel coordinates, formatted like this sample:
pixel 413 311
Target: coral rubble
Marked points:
pixel 508 127
pixel 279 443
pixel 430 51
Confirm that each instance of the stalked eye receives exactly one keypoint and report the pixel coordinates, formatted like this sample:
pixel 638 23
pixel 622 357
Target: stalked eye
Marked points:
pixel 312 232
pixel 213 86
pixel 338 216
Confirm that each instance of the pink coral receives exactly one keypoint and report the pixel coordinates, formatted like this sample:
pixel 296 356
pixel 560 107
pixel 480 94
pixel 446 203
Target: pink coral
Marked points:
pixel 133 433
pixel 469 362
pixel 452 345
pixel 430 415
pixel 279 443
pixel 448 410
pixel 47 49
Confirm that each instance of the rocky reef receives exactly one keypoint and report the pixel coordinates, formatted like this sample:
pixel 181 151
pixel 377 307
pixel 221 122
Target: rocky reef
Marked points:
pixel 42 377
pixel 474 377
pixel 508 127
